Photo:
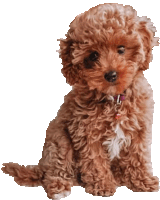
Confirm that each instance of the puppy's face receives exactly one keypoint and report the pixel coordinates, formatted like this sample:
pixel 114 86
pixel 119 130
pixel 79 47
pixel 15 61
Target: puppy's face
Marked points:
pixel 110 67
pixel 106 47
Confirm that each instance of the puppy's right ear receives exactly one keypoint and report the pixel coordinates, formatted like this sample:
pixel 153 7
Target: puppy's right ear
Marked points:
pixel 69 71
pixel 147 31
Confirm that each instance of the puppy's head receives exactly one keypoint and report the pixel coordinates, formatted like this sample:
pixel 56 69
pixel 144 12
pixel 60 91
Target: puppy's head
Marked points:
pixel 106 46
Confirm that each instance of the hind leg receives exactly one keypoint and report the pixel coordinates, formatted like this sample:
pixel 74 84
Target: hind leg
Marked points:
pixel 56 187
pixel 133 170
pixel 57 162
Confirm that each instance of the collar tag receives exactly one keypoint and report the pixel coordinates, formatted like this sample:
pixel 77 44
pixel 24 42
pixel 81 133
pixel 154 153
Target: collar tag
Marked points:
pixel 119 99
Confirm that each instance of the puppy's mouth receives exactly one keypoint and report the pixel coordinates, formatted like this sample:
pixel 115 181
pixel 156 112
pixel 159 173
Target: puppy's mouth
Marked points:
pixel 114 83
pixel 115 88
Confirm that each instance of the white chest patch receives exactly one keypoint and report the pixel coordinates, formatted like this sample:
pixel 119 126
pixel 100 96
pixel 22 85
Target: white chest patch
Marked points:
pixel 115 144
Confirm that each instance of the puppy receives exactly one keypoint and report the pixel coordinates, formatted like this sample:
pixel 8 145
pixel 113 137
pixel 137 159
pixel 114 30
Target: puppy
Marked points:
pixel 101 136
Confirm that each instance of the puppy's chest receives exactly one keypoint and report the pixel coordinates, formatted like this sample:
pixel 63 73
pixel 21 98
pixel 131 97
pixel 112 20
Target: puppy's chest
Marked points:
pixel 116 142
pixel 115 138
pixel 102 125
pixel 112 134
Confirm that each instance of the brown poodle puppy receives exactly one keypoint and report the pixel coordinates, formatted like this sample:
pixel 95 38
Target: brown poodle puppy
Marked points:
pixel 101 136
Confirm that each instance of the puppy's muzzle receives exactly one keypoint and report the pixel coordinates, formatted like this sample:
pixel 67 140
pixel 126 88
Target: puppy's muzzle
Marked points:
pixel 111 76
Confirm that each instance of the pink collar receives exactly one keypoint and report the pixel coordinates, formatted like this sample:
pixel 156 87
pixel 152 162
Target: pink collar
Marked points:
pixel 119 98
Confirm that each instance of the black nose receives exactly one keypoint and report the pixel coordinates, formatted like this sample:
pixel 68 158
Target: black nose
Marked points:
pixel 111 76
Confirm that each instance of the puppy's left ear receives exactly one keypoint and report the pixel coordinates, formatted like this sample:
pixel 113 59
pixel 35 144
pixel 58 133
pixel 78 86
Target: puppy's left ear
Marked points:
pixel 147 32
pixel 69 70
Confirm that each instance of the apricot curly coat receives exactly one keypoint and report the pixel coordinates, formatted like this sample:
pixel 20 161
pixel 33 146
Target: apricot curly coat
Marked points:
pixel 85 144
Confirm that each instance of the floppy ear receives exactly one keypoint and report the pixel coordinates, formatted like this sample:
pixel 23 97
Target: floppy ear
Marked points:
pixel 147 32
pixel 69 70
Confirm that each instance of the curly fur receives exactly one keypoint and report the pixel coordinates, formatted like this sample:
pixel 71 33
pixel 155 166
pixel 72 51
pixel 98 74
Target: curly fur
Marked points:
pixel 85 145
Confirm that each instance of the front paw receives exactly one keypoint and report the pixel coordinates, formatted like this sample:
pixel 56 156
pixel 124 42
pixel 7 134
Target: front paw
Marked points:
pixel 101 188
pixel 148 184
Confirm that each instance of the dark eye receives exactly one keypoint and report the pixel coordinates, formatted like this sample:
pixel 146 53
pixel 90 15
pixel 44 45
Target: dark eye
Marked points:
pixel 94 56
pixel 121 49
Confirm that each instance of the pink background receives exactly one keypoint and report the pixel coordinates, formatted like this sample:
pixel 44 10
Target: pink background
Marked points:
pixel 33 88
